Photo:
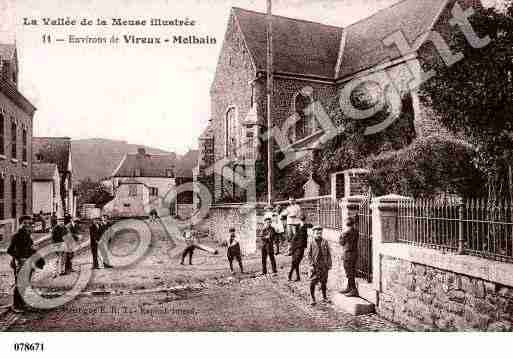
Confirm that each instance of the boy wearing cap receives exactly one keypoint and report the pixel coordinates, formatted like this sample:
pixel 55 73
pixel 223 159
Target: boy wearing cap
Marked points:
pixel 268 239
pixel 319 256
pixel 234 251
pixel 298 247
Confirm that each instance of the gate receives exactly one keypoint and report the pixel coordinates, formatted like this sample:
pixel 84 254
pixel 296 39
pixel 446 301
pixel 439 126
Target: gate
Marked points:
pixel 364 262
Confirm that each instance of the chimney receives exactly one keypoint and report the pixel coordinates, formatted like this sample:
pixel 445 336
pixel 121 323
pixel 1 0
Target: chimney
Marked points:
pixel 141 151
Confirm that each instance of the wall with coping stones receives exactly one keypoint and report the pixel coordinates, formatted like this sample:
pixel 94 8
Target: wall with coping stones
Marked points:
pixel 427 298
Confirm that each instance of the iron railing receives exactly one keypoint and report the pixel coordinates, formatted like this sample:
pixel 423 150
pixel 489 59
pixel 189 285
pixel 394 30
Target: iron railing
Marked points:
pixel 478 227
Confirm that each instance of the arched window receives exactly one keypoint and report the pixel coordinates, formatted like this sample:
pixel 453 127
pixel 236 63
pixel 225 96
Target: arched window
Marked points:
pixel 306 125
pixel 231 132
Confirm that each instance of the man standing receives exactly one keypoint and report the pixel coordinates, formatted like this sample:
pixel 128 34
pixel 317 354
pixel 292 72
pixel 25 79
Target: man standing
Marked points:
pixel 20 250
pixel 103 241
pixel 349 242
pixel 95 234
pixel 293 215
pixel 268 239
pixel 298 247
pixel 58 233
pixel 70 241
pixel 319 256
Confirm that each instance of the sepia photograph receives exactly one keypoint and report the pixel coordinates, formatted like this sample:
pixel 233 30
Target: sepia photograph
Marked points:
pixel 279 166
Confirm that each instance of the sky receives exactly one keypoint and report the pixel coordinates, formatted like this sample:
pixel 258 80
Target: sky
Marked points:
pixel 156 96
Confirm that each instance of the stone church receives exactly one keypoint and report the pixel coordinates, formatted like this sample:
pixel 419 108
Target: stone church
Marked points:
pixel 387 53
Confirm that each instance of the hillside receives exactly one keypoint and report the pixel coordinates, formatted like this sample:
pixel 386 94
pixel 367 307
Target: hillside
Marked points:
pixel 97 158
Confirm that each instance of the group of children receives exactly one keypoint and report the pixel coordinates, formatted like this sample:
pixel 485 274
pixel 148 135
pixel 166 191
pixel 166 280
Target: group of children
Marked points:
pixel 318 252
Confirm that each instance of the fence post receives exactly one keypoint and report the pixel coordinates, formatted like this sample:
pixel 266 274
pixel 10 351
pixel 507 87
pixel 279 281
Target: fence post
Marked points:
pixel 461 239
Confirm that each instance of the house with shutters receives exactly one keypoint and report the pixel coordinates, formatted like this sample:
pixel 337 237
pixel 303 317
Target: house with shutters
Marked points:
pixel 57 151
pixel 16 124
pixel 381 59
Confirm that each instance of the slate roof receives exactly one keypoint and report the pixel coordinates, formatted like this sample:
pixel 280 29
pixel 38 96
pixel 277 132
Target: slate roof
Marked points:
pixel 300 47
pixel 52 150
pixel 364 46
pixel 312 49
pixel 147 164
pixel 43 171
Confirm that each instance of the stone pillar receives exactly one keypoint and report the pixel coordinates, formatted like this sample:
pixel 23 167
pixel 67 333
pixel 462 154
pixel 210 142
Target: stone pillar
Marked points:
pixel 384 229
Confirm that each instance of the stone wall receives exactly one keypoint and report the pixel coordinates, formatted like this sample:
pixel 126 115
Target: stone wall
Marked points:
pixel 426 298
pixel 429 289
pixel 244 220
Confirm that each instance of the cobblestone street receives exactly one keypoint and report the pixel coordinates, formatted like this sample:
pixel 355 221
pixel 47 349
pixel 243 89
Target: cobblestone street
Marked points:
pixel 159 294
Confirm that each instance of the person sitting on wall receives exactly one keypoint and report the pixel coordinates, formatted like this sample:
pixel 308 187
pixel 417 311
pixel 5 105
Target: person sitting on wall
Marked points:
pixel 293 212
pixel 279 229
pixel 234 251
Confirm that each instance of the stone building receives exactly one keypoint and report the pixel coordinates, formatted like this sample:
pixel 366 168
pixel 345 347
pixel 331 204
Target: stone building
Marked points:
pixel 57 150
pixel 381 59
pixel 143 181
pixel 16 116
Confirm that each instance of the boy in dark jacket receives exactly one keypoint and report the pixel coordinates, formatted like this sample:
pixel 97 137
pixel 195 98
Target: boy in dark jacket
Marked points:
pixel 21 249
pixel 234 251
pixel 298 245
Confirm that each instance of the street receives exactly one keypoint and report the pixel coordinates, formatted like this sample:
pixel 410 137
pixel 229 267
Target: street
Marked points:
pixel 159 294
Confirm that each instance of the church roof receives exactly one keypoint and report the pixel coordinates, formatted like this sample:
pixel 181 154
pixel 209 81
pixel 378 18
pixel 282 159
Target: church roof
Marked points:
pixel 300 47
pixel 312 49
pixel 55 150
pixel 364 47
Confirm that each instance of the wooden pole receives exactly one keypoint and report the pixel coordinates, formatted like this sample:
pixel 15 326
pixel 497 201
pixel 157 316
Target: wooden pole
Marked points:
pixel 270 162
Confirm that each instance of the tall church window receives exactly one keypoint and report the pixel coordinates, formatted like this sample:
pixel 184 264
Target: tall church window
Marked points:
pixel 231 132
pixel 306 125
pixel 14 138
pixel 2 134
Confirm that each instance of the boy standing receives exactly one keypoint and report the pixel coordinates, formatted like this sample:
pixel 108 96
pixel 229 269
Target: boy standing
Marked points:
pixel 319 255
pixel 349 242
pixel 234 251
pixel 268 239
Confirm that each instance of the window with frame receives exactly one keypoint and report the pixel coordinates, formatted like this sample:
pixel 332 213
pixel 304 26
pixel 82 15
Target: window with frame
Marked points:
pixel 132 190
pixel 25 141
pixel 305 126
pixel 2 134
pixel 154 191
pixel 14 138
pixel 24 197
pixel 231 132
pixel 14 196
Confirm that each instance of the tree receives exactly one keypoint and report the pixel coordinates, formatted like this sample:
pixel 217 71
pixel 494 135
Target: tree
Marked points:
pixel 475 96
pixel 93 192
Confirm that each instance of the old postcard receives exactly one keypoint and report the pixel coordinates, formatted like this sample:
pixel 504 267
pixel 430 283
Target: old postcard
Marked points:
pixel 255 166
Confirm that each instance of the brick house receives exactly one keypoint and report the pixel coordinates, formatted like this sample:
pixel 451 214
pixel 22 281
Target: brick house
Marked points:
pixel 315 63
pixel 57 150
pixel 16 116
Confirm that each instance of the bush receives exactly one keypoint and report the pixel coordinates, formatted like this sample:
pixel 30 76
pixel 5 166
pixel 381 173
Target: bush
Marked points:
pixel 428 167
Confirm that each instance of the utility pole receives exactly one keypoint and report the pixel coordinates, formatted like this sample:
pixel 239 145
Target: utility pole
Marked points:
pixel 270 162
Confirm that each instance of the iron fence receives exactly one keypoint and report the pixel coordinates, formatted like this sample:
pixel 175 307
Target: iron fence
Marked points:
pixel 478 227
